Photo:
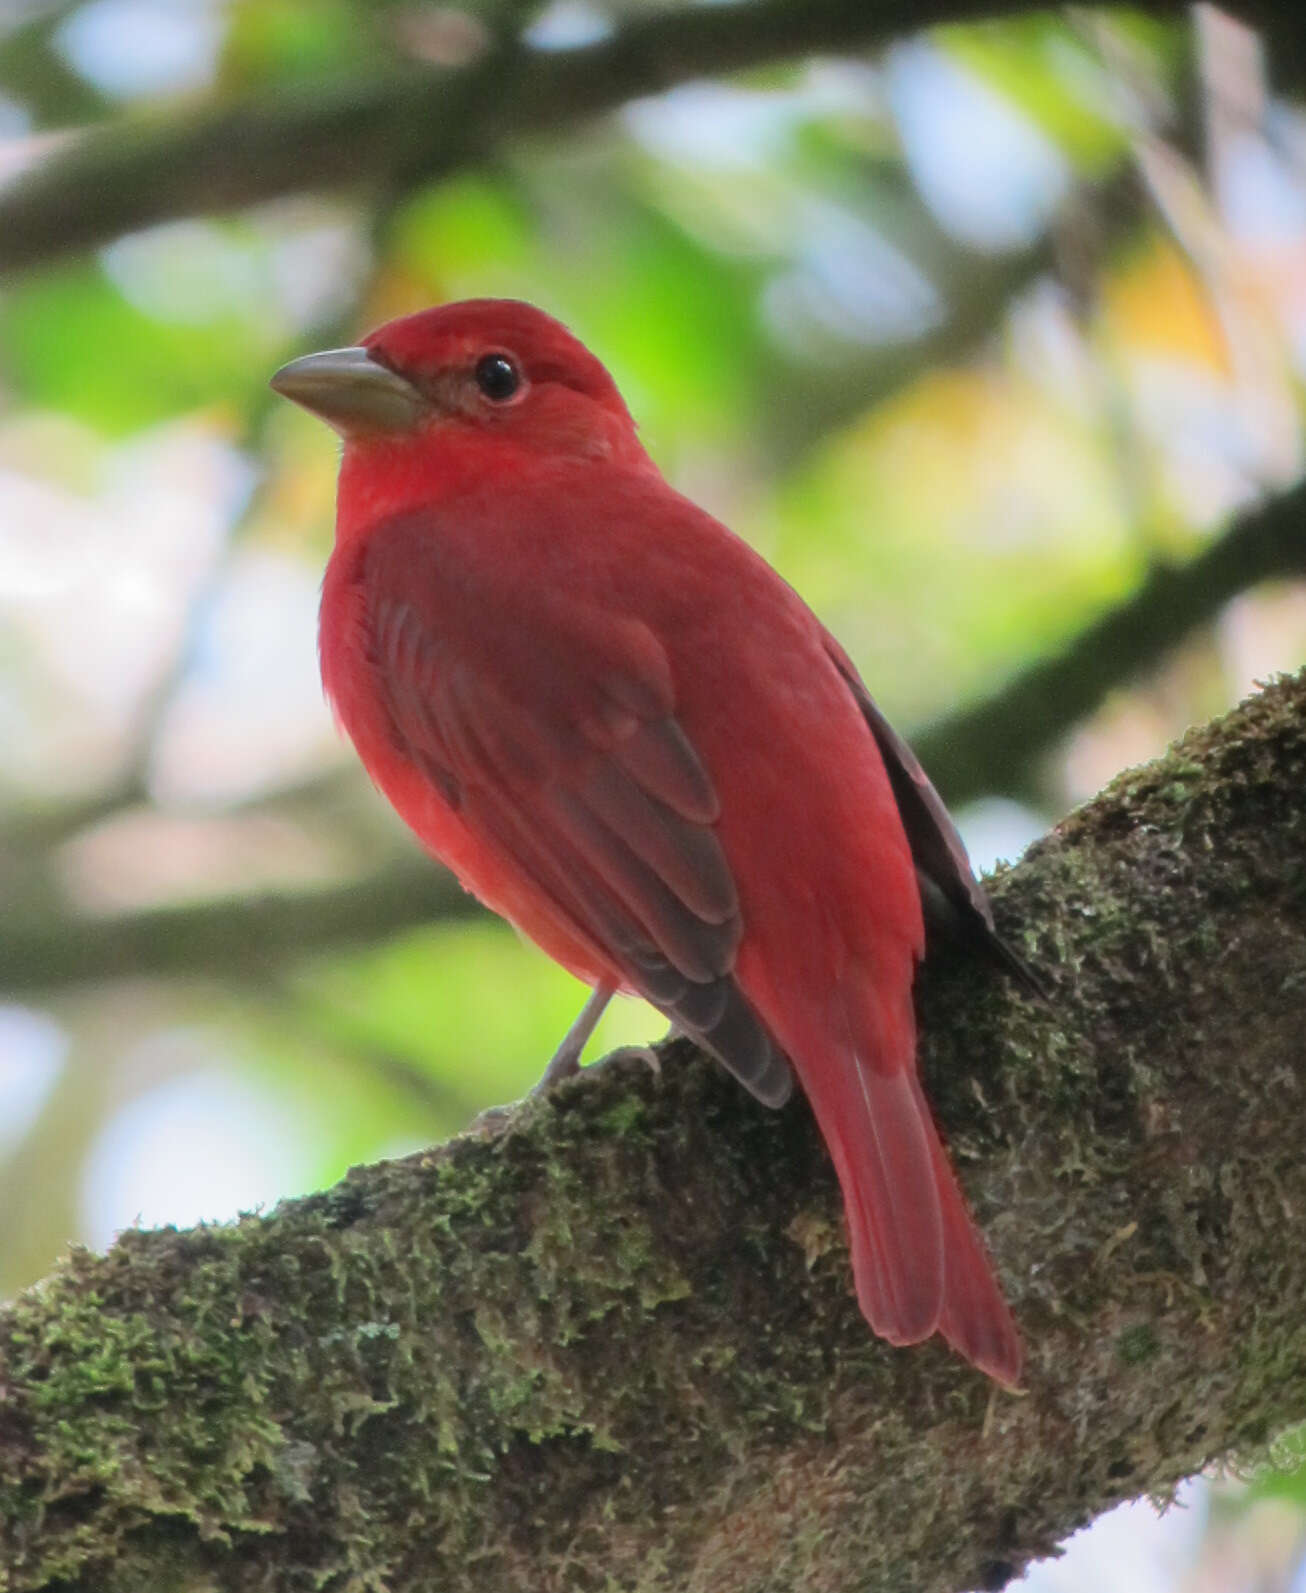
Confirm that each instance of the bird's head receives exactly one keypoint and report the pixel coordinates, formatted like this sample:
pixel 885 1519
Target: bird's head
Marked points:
pixel 460 376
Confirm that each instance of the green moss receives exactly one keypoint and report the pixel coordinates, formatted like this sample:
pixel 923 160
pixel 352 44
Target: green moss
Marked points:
pixel 1137 1344
pixel 624 1115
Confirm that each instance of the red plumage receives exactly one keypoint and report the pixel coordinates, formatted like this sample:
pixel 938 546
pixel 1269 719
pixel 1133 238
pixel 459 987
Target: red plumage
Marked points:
pixel 624 732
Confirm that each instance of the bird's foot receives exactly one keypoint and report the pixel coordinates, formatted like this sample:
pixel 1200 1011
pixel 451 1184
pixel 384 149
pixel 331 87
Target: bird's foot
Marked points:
pixel 644 1053
pixel 492 1122
pixel 563 1064
pixel 565 1061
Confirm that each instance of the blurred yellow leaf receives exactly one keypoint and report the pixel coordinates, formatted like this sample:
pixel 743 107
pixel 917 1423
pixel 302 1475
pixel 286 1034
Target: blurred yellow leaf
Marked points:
pixel 1157 303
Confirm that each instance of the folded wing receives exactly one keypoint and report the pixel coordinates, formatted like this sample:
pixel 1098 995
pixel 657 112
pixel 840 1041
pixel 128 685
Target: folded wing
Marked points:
pixel 953 899
pixel 597 796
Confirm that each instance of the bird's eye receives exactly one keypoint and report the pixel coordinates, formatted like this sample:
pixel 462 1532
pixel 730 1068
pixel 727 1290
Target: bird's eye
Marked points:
pixel 497 377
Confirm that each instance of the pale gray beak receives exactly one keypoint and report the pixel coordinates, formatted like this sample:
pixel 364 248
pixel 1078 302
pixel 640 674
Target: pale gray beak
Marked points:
pixel 351 391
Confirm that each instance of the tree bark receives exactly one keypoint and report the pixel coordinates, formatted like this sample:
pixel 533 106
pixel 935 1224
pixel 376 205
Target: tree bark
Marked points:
pixel 606 1340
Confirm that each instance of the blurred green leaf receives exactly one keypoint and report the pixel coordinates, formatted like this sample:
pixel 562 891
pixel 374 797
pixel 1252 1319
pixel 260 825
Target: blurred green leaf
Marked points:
pixel 471 228
pixel 473 1007
pixel 36 75
pixel 72 341
pixel 267 40
pixel 964 526
pixel 1286 1478
pixel 1039 65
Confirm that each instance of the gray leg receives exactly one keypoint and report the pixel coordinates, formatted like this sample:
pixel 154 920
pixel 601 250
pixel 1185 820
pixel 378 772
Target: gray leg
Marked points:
pixel 566 1059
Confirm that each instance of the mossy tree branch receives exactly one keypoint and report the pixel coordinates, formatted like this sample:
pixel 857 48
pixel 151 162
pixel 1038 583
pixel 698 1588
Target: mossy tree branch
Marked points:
pixel 608 1341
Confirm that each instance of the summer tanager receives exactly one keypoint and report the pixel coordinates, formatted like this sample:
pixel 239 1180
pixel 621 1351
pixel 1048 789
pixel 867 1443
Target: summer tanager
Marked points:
pixel 626 734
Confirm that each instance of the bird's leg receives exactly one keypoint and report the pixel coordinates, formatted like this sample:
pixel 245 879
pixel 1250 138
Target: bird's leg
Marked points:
pixel 566 1059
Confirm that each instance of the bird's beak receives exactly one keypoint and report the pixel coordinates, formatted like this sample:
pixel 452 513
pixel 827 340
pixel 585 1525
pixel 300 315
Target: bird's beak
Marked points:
pixel 351 391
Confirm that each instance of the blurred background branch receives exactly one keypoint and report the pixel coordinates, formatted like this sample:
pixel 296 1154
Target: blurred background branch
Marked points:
pixel 407 124
pixel 997 742
pixel 394 127
pixel 223 939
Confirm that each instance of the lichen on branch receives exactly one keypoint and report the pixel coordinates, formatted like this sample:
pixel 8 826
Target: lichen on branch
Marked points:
pixel 607 1340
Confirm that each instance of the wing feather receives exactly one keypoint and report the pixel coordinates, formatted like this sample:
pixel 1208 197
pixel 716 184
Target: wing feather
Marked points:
pixel 659 757
pixel 953 899
pixel 607 809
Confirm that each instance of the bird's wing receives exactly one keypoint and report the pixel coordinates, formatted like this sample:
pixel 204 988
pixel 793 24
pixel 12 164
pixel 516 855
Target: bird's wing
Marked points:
pixel 561 752
pixel 953 899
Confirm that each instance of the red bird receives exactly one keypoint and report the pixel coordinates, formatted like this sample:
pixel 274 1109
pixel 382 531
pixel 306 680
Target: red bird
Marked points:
pixel 626 734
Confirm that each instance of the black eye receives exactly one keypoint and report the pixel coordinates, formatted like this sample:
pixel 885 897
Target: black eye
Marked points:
pixel 497 377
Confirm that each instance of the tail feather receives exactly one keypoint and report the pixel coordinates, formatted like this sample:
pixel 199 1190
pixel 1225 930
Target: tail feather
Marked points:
pixel 903 1270
pixel 919 1263
pixel 975 1320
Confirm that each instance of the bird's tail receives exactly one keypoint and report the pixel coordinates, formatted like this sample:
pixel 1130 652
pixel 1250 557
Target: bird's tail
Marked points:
pixel 919 1263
